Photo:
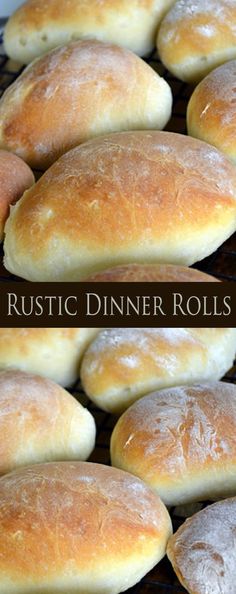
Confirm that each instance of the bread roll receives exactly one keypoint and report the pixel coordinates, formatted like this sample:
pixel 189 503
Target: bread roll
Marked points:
pixel 151 273
pixel 77 92
pixel 147 197
pixel 203 552
pixel 15 178
pixel 196 36
pixel 78 528
pixel 181 442
pixel 123 364
pixel 37 27
pixel 51 352
pixel 40 422
pixel 211 113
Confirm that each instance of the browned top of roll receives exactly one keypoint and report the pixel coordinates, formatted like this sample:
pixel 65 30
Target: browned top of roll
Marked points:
pixel 151 273
pixel 15 178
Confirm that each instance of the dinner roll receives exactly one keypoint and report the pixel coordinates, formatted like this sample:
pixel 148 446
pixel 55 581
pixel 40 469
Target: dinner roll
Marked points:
pixel 151 273
pixel 203 551
pixel 181 442
pixel 40 422
pixel 15 178
pixel 143 197
pixel 51 352
pixel 37 27
pixel 77 92
pixel 211 113
pixel 196 36
pixel 78 528
pixel 123 364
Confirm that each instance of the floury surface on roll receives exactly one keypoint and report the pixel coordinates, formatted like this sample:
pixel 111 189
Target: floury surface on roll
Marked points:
pixel 77 92
pixel 151 273
pixel 196 36
pixel 203 550
pixel 51 352
pixel 147 197
pixel 40 422
pixel 181 442
pixel 39 26
pixel 15 178
pixel 123 364
pixel 211 114
pixel 78 528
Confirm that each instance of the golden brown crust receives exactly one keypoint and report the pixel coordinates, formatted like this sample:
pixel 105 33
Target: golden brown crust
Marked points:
pixel 196 36
pixel 78 527
pixel 211 112
pixel 114 201
pixel 181 442
pixel 15 178
pixel 151 273
pixel 202 551
pixel 77 92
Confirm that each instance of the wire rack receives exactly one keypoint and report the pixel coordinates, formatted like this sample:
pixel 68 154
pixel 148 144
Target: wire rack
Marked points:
pixel 222 263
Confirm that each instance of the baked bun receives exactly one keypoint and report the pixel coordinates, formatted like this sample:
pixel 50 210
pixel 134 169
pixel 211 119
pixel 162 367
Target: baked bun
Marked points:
pixel 197 36
pixel 40 422
pixel 181 442
pixel 123 364
pixel 147 197
pixel 203 552
pixel 78 528
pixel 211 113
pixel 15 178
pixel 77 92
pixel 51 352
pixel 37 27
pixel 151 273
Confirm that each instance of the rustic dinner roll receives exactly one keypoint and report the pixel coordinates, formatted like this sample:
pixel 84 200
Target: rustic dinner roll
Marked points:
pixel 77 92
pixel 37 27
pixel 211 114
pixel 78 528
pixel 181 442
pixel 15 178
pixel 151 273
pixel 123 364
pixel 147 197
pixel 40 422
pixel 203 552
pixel 196 36
pixel 51 352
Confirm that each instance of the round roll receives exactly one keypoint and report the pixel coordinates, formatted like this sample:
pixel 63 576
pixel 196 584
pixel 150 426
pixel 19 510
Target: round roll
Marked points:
pixel 181 442
pixel 40 422
pixel 151 273
pixel 143 197
pixel 78 528
pixel 15 178
pixel 77 92
pixel 51 352
pixel 196 37
pixel 123 364
pixel 37 27
pixel 211 114
pixel 203 552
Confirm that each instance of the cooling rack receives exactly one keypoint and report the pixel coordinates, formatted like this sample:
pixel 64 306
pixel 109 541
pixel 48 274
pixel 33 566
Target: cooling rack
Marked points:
pixel 222 263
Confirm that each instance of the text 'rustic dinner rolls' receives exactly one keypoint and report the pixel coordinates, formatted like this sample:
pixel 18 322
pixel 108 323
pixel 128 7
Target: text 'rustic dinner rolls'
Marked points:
pixel 15 178
pixel 37 27
pixel 203 550
pixel 196 36
pixel 77 92
pixel 181 442
pixel 78 528
pixel 40 422
pixel 52 352
pixel 147 197
pixel 123 364
pixel 151 273
pixel 211 114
